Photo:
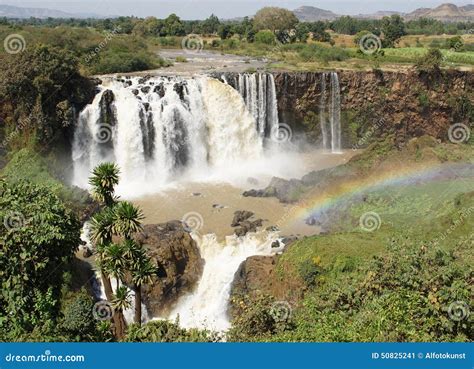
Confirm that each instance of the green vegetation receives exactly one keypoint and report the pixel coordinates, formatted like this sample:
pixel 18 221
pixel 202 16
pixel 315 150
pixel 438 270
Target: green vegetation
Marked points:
pixel 392 284
pixel 39 237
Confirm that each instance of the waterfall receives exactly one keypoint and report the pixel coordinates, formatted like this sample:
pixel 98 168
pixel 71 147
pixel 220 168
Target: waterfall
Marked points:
pixel 158 128
pixel 335 114
pixel 322 111
pixel 259 93
pixel 207 306
pixel 330 108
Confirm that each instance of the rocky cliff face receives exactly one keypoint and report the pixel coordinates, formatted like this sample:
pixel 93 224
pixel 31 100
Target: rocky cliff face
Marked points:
pixel 179 264
pixel 405 104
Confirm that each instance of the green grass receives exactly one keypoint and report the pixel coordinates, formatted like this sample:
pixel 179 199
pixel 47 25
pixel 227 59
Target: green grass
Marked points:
pixel 28 165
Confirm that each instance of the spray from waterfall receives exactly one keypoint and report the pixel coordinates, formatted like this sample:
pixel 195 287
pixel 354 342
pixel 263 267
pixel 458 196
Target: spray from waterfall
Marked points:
pixel 330 112
pixel 157 129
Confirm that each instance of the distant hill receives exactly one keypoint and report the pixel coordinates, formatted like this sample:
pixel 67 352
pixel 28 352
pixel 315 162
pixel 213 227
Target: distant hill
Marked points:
pixel 312 14
pixel 379 15
pixel 10 11
pixel 445 13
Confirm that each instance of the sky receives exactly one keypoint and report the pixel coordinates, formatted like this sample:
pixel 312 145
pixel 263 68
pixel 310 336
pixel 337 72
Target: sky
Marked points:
pixel 200 9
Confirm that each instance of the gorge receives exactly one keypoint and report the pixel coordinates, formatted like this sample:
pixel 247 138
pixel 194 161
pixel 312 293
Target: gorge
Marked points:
pixel 187 146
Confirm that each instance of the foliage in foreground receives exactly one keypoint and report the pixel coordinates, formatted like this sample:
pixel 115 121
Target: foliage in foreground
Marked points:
pixel 38 238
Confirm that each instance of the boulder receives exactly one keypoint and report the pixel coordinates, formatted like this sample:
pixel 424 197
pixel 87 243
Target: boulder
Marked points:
pixel 179 264
pixel 240 216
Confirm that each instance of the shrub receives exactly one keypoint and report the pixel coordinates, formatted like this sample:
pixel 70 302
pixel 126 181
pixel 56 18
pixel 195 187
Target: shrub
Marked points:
pixel 265 37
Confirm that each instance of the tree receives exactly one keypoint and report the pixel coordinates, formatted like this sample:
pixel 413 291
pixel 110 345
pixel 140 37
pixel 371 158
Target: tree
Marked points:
pixel 431 62
pixel 127 219
pixel 318 30
pixel 393 28
pixel 39 88
pixel 274 19
pixel 173 26
pixel 455 43
pixel 265 37
pixel 104 178
pixel 302 32
pixel 38 238
pixel 225 31
pixel 120 302
pixel 210 25
pixel 142 271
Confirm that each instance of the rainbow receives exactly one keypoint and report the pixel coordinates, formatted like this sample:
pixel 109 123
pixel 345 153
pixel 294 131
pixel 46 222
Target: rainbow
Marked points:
pixel 318 201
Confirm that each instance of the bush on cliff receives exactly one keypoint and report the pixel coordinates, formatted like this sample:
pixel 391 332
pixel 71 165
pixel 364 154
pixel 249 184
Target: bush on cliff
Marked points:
pixel 38 237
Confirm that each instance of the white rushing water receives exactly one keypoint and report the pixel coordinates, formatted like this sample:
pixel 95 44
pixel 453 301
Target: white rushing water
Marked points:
pixel 161 130
pixel 166 130
pixel 330 112
pixel 207 306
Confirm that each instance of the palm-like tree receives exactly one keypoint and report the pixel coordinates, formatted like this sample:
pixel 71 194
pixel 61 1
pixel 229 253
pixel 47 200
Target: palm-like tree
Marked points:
pixel 142 270
pixel 104 178
pixel 120 302
pixel 102 226
pixel 115 262
pixel 128 219
pixel 101 234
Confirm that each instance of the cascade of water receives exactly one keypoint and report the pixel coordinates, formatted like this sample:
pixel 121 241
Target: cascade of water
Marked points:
pixel 335 114
pixel 332 107
pixel 207 306
pixel 259 93
pixel 156 128
pixel 322 111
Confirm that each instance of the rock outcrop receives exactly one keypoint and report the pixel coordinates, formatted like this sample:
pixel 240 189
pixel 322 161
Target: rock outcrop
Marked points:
pixel 406 104
pixel 243 224
pixel 179 264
